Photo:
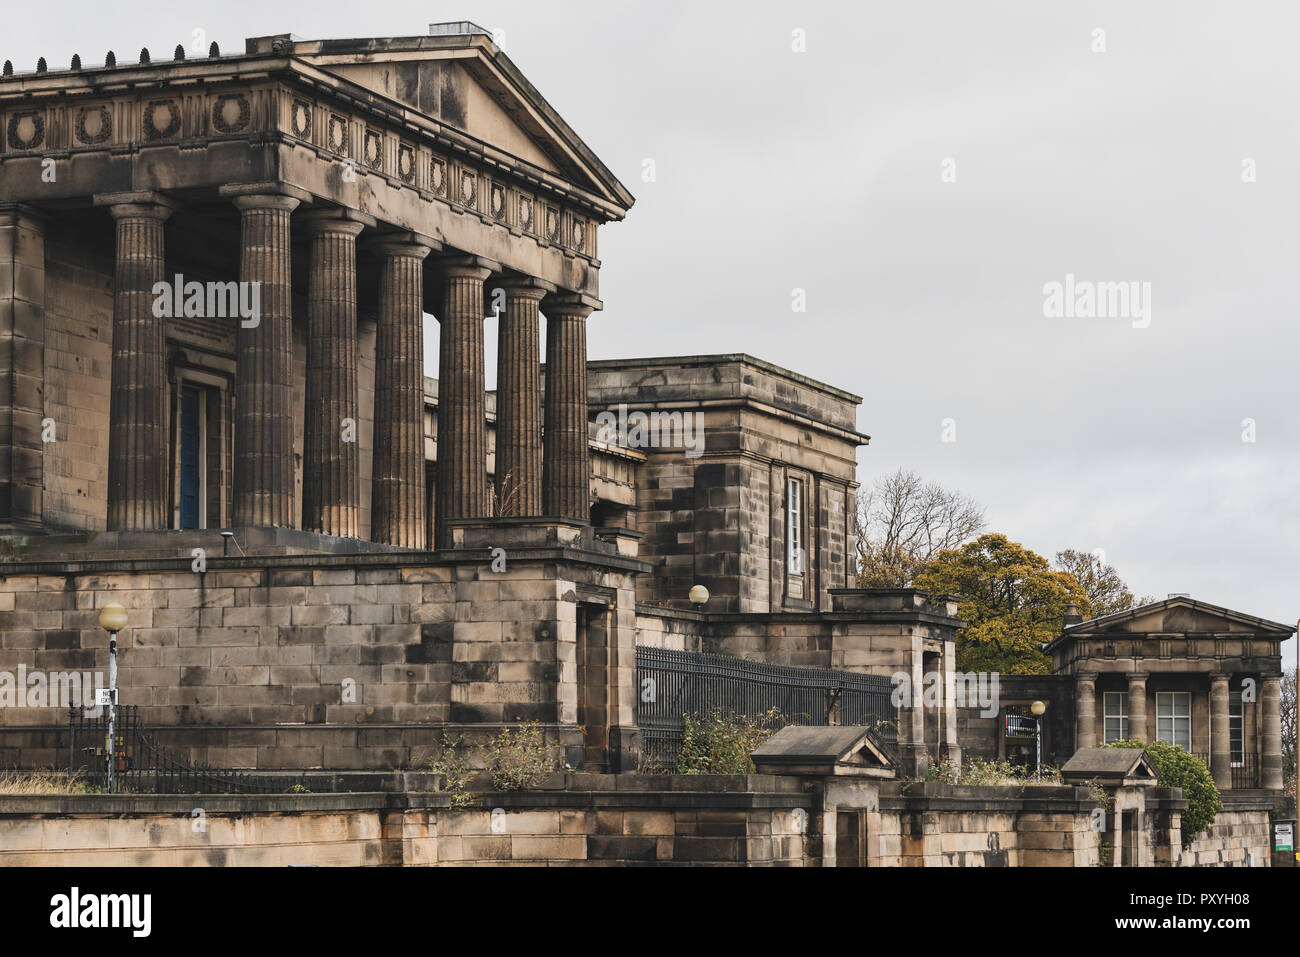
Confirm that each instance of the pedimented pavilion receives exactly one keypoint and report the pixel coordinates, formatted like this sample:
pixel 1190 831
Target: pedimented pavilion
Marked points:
pixel 1203 677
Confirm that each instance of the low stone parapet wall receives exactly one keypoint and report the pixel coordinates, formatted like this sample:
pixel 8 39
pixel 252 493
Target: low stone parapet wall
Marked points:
pixel 717 820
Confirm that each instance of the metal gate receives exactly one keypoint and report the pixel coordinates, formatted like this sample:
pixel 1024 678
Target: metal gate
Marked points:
pixel 671 684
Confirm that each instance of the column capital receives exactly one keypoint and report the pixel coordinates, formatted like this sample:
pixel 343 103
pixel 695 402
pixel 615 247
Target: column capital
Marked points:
pixel 1137 676
pixel 259 195
pixel 526 287
pixel 1086 676
pixel 412 245
pixel 1219 676
pixel 338 220
pixel 570 304
pixel 137 204
pixel 467 267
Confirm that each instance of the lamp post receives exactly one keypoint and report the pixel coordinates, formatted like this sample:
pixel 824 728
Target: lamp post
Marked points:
pixel 112 618
pixel 1038 708
pixel 698 595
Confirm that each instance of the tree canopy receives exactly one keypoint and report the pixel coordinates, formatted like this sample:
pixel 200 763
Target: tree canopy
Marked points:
pixel 1012 600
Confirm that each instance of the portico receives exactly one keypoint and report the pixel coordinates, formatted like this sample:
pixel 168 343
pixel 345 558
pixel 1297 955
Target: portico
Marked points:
pixel 358 186
pixel 1202 677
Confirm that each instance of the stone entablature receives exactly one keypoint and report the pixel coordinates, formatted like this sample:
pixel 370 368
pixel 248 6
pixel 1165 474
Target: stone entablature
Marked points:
pixel 191 103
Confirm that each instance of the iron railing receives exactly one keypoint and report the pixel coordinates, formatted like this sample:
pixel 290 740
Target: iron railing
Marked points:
pixel 1245 770
pixel 671 684
pixel 143 766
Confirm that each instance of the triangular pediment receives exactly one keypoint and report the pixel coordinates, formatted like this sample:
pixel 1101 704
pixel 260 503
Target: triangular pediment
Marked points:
pixel 466 83
pixel 1179 615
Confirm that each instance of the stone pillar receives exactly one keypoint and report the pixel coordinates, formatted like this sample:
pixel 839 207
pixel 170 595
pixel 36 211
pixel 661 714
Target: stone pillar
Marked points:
pixel 397 485
pixel 912 751
pixel 137 418
pixel 1270 744
pixel 566 466
pixel 519 399
pixel 331 486
pixel 1137 706
pixel 1220 743
pixel 1085 710
pixel 462 402
pixel 263 389
pixel 22 368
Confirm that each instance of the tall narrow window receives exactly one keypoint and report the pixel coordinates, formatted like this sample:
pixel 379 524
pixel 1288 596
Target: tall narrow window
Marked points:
pixel 1236 733
pixel 1115 708
pixel 794 527
pixel 1174 718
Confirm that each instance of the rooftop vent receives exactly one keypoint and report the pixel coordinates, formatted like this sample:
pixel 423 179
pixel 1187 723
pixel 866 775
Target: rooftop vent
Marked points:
pixel 459 28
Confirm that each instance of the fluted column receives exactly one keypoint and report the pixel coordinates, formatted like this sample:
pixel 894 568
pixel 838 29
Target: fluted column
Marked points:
pixel 1085 711
pixel 1220 741
pixel 1137 706
pixel 566 466
pixel 137 430
pixel 1270 745
pixel 263 391
pixel 519 399
pixel 331 485
pixel 397 510
pixel 462 403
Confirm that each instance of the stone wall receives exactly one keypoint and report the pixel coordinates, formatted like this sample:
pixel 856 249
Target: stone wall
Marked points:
pixel 939 825
pixel 705 820
pixel 754 820
pixel 1241 834
pixel 331 643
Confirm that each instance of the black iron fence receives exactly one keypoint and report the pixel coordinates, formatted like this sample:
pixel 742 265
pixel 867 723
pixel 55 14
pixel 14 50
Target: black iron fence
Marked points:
pixel 143 766
pixel 1245 769
pixel 671 684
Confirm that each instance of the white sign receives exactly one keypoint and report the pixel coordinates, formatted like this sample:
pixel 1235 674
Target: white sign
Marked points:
pixel 1283 837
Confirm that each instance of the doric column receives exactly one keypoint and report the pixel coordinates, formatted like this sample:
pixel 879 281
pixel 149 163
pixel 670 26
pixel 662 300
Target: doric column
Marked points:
pixel 1137 706
pixel 22 367
pixel 331 486
pixel 1085 710
pixel 1270 745
pixel 397 508
pixel 462 404
pixel 137 416
pixel 263 391
pixel 1220 743
pixel 519 399
pixel 566 468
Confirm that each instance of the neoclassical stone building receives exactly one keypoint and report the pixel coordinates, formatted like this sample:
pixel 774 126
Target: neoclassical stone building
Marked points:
pixel 215 273
pixel 1203 677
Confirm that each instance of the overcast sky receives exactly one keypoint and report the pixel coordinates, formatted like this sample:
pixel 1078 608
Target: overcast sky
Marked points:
pixel 824 171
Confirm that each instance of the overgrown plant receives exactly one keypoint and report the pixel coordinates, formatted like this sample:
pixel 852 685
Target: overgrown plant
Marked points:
pixel 722 742
pixel 1177 768
pixel 454 770
pixel 520 759
pixel 43 782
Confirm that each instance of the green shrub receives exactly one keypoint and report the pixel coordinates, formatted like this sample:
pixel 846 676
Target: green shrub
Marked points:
pixel 1179 769
pixel 455 770
pixel 722 742
pixel 520 759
